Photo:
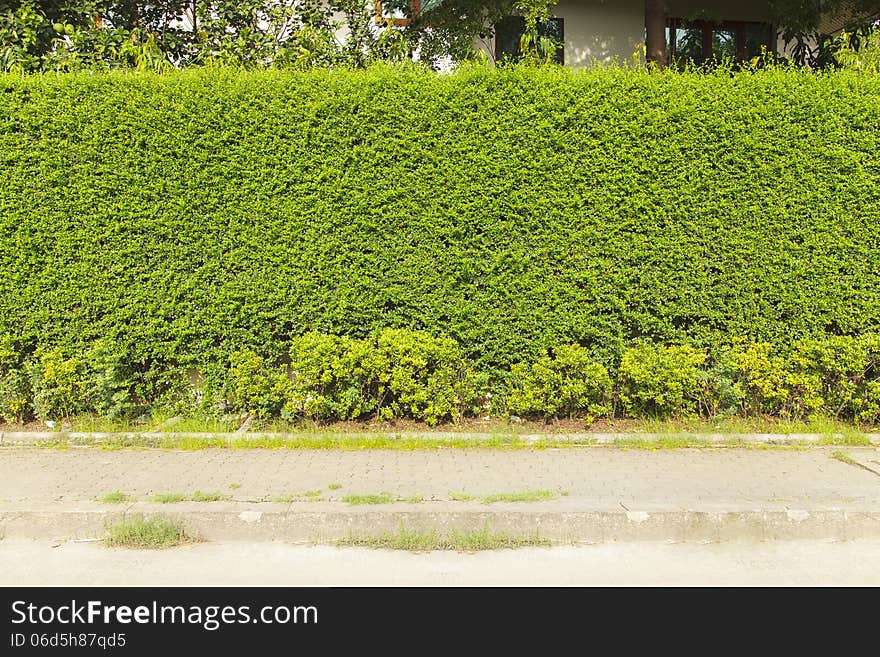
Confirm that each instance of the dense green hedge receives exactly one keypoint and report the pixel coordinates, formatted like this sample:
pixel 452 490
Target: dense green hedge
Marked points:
pixel 187 216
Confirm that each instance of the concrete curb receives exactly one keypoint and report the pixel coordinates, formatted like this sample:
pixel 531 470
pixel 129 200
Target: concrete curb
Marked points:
pixel 273 522
pixel 148 438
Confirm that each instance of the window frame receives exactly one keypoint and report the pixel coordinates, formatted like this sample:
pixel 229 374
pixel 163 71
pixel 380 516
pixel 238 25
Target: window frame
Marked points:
pixel 707 27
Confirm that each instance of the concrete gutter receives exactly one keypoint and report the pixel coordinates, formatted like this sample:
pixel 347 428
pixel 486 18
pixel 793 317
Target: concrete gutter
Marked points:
pixel 309 523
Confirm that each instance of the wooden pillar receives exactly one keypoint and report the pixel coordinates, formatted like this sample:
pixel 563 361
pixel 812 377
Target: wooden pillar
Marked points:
pixel 740 42
pixel 707 41
pixel 655 28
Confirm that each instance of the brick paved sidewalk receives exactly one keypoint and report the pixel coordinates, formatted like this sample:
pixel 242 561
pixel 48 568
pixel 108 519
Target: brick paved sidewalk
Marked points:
pixel 583 494
pixel 582 479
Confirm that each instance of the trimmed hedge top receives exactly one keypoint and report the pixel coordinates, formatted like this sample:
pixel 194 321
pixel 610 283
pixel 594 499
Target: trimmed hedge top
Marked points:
pixel 191 215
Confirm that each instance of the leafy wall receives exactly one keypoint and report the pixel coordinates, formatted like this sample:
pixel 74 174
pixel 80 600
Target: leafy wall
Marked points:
pixel 190 215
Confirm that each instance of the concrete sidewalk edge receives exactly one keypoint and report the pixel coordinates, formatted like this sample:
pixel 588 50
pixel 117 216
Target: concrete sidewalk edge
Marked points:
pixel 562 526
pixel 86 438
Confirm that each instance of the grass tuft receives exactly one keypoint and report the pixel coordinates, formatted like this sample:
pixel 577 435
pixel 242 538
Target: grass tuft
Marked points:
pixel 151 533
pixel 197 496
pixel 463 541
pixel 516 496
pixel 375 498
pixel 168 498
pixel 116 497
pixel 843 457
pixel 521 496
pixel 845 440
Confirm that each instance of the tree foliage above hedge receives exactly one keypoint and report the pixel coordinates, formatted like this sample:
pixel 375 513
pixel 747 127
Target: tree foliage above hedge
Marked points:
pixel 188 216
pixel 158 35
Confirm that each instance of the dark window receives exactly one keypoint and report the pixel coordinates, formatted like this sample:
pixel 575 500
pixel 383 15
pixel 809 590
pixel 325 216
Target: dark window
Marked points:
pixel 510 30
pixel 701 42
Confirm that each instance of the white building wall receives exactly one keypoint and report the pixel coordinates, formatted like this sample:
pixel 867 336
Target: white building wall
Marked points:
pixel 596 31
pixel 602 31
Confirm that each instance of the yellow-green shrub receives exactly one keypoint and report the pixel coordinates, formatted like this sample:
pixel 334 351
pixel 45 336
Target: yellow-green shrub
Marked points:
pixel 419 375
pixel 760 379
pixel 661 381
pixel 833 377
pixel 255 386
pixel 396 373
pixel 333 378
pixel 58 385
pixel 15 388
pixel 567 383
pixel 839 373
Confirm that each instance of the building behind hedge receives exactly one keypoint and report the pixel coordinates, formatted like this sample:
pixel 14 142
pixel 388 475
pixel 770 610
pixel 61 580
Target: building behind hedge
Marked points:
pixel 676 31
